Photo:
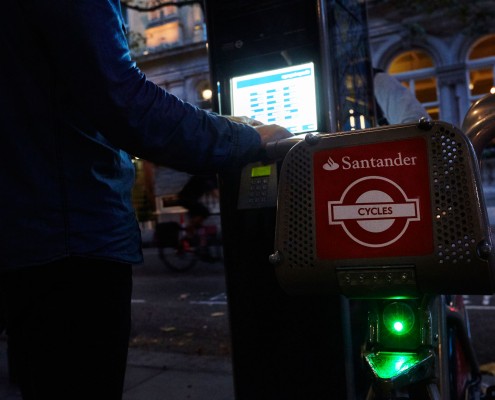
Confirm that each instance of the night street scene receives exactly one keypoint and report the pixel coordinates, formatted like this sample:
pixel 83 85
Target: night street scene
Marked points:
pixel 314 189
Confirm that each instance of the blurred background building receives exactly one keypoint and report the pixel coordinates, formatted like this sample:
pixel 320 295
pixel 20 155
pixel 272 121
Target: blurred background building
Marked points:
pixel 169 46
pixel 442 50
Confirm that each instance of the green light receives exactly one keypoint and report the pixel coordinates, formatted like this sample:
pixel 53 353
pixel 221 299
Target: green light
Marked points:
pixel 398 318
pixel 388 365
pixel 398 326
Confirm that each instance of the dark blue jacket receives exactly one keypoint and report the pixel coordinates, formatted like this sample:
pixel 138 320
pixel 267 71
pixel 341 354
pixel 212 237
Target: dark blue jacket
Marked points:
pixel 73 106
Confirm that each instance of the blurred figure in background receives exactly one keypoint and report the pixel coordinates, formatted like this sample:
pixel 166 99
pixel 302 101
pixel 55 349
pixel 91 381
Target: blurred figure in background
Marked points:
pixel 396 104
pixel 190 197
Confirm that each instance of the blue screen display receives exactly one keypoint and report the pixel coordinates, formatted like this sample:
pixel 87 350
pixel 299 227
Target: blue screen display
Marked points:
pixel 285 96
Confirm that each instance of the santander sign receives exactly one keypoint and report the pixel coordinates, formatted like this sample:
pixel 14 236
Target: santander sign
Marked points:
pixel 373 200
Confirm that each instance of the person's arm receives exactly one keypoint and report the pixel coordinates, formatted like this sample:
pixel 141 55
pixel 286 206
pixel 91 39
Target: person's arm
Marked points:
pixel 100 84
pixel 398 104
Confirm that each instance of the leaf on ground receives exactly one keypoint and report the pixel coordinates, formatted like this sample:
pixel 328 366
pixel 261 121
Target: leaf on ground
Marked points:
pixel 168 329
pixel 217 314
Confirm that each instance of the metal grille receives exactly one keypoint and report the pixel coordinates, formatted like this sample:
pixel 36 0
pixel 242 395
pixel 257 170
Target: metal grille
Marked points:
pixel 453 211
pixel 298 229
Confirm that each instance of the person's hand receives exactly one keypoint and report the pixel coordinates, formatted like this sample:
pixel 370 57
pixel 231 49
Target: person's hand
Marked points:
pixel 244 120
pixel 268 133
pixel 272 133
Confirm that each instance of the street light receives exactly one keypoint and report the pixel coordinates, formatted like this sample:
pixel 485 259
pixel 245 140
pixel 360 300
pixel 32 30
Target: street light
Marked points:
pixel 207 94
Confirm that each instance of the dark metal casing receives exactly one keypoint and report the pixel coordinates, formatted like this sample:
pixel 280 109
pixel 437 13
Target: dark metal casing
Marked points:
pixel 435 239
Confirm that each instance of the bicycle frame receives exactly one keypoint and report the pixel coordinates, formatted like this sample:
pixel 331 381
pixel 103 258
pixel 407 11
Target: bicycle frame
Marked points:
pixel 180 251
pixel 441 363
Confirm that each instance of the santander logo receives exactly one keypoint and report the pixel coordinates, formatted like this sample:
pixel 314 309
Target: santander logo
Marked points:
pixel 347 162
pixel 330 165
pixel 373 200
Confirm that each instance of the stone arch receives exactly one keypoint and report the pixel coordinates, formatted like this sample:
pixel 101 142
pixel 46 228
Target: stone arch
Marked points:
pixel 415 67
pixel 480 66
pixel 469 44
pixel 398 47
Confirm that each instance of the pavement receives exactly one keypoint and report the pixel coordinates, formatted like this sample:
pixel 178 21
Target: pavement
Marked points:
pixel 174 376
pixel 154 375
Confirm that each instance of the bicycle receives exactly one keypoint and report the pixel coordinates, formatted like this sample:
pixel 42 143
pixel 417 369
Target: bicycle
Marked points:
pixel 336 236
pixel 180 249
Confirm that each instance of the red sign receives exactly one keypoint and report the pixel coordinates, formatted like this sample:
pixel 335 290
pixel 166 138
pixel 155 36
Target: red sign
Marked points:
pixel 373 200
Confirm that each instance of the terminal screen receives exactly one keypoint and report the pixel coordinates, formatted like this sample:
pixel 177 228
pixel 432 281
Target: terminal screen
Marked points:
pixel 285 96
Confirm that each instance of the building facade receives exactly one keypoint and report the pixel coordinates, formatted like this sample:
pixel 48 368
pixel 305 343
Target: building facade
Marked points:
pixel 445 65
pixel 169 45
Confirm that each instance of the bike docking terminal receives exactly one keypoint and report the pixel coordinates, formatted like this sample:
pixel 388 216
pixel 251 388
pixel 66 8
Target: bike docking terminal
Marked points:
pixel 395 237
pixel 347 247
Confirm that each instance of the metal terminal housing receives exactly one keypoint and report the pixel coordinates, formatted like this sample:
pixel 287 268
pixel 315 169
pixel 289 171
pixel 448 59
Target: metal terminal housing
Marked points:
pixel 460 259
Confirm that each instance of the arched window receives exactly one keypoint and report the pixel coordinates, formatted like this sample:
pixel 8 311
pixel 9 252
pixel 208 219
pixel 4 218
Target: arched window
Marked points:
pixel 415 70
pixel 481 68
pixel 481 72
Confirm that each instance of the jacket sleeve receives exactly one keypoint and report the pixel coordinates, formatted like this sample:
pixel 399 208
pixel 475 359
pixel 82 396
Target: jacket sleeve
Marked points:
pixel 398 104
pixel 98 83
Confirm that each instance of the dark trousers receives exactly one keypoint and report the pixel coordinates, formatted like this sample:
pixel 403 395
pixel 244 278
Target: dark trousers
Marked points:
pixel 68 326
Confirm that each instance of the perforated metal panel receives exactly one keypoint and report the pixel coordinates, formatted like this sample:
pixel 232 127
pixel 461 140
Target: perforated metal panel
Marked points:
pixel 450 254
pixel 298 217
pixel 455 210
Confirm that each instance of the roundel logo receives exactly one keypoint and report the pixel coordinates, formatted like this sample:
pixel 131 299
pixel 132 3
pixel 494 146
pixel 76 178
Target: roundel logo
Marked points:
pixel 374 211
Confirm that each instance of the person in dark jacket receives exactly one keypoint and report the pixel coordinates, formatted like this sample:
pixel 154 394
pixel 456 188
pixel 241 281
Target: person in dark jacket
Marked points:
pixel 74 106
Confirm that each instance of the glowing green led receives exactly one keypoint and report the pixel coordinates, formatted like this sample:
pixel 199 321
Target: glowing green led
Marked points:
pixel 398 326
pixel 398 318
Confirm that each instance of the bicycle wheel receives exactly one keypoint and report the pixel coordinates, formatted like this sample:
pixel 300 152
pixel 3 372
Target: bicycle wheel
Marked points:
pixel 177 260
